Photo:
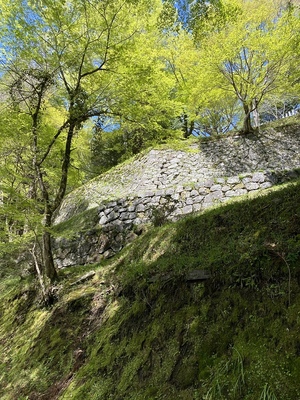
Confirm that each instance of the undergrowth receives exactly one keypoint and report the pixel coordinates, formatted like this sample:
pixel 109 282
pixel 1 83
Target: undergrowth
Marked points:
pixel 140 330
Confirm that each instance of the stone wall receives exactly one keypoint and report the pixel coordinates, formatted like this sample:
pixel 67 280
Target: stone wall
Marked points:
pixel 167 184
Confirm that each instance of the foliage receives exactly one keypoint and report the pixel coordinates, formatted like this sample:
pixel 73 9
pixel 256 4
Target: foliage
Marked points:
pixel 63 61
pixel 253 53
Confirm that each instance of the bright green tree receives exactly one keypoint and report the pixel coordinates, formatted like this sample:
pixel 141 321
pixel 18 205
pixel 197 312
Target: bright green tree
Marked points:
pixel 251 55
pixel 64 55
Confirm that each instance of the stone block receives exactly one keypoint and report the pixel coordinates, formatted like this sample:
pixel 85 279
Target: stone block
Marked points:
pixel 197 207
pixel 239 186
pixel 140 208
pixel 213 196
pixel 241 192
pixel 187 209
pixel 258 177
pixel 251 186
pixel 214 188
pixel 124 216
pixel 169 192
pixel 265 185
pixel 230 193
pixel 112 216
pixel 198 199
pixel 226 188
pixel 107 211
pixel 103 220
pixel 233 179
pixel 149 194
pixel 208 183
pixel 246 180
pixel 132 215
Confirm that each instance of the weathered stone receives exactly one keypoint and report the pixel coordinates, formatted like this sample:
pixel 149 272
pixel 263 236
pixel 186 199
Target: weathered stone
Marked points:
pixel 215 188
pixel 197 207
pixel 239 186
pixel 194 193
pixel 213 196
pixel 258 177
pixel 265 185
pixel 241 192
pixel 107 211
pixel 226 188
pixel 112 204
pixel 112 216
pixel 208 184
pixel 116 246
pixel 187 209
pixel 140 208
pixel 230 193
pixel 169 192
pixel 108 254
pixel 130 237
pixel 233 179
pixel 251 186
pixel 246 180
pixel 124 216
pixel 198 199
pixel 103 220
pixel 176 196
pixel 103 243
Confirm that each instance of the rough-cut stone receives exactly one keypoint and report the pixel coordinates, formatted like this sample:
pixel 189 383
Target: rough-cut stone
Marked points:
pixel 140 208
pixel 233 179
pixel 103 220
pixel 251 186
pixel 215 188
pixel 187 209
pixel 213 196
pixel 176 182
pixel 258 177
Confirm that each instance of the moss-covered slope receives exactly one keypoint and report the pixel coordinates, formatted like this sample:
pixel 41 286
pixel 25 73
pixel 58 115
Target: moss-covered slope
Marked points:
pixel 139 330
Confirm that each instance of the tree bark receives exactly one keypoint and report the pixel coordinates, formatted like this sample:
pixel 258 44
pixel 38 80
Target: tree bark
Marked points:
pixel 247 127
pixel 49 267
pixel 187 129
pixel 255 113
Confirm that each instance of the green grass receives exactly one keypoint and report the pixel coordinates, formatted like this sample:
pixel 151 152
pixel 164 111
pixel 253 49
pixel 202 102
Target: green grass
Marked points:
pixel 138 330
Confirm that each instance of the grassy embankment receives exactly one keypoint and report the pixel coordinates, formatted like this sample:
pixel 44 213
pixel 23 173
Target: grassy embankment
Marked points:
pixel 139 330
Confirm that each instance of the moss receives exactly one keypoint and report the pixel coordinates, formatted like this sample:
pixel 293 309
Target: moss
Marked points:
pixel 139 330
pixel 79 223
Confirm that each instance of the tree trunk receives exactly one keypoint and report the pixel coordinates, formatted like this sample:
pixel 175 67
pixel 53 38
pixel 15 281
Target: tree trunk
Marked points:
pixel 247 127
pixel 49 267
pixel 256 113
pixel 187 129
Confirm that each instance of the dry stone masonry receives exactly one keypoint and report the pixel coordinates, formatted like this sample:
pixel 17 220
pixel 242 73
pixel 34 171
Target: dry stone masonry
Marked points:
pixel 167 184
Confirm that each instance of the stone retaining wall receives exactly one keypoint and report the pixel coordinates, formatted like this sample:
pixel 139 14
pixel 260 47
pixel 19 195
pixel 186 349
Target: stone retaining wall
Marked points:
pixel 120 221
pixel 170 183
pixel 166 169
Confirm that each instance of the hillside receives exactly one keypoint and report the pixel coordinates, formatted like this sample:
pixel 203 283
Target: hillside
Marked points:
pixel 140 328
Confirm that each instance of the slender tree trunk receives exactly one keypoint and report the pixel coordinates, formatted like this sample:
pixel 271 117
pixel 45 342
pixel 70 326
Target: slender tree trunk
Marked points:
pixel 247 127
pixel 49 267
pixel 255 113
pixel 187 129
